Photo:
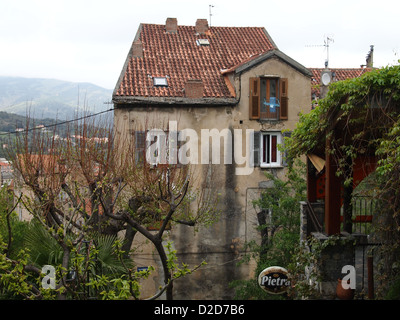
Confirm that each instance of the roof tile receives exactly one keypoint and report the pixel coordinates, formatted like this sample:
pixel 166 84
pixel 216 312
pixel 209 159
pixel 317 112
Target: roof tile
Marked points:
pixel 178 57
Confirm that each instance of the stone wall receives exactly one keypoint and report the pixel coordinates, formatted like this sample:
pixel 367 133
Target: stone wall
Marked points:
pixel 342 250
pixel 331 261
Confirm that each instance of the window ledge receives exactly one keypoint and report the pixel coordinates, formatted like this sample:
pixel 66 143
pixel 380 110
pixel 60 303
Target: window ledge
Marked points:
pixel 271 166
pixel 270 120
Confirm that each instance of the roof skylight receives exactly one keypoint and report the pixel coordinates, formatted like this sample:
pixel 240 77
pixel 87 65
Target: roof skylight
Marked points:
pixel 160 82
pixel 203 42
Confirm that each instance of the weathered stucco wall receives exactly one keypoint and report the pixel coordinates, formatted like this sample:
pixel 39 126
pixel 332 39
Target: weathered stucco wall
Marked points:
pixel 220 245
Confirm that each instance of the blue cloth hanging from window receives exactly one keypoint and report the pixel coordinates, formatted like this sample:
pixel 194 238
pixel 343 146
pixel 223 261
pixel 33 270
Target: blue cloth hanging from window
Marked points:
pixel 272 104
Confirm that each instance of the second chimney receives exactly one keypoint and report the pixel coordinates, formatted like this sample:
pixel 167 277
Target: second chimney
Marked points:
pixel 201 26
pixel 171 25
pixel 370 58
pixel 137 49
pixel 194 88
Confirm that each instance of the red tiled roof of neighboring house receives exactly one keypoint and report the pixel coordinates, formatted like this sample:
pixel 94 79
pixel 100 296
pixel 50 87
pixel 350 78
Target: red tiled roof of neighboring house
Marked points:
pixel 339 74
pixel 178 57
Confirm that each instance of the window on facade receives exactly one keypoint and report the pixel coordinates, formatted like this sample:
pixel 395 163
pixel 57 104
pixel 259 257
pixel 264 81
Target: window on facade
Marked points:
pixel 162 147
pixel 269 154
pixel 156 147
pixel 268 98
pixel 266 153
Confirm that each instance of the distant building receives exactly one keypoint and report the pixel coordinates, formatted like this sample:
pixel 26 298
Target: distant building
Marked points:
pixel 6 172
pixel 323 77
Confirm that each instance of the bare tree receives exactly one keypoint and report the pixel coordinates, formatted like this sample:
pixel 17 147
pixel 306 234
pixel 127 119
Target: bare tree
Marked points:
pixel 89 180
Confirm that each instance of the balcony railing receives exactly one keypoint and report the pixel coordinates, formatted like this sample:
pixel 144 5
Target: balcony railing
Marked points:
pixel 270 110
pixel 363 209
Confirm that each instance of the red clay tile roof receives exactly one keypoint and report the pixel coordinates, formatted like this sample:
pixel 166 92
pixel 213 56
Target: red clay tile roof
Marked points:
pixel 339 75
pixel 178 57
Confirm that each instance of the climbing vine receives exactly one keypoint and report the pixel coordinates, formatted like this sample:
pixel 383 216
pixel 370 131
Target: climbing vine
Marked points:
pixel 358 117
pixel 353 102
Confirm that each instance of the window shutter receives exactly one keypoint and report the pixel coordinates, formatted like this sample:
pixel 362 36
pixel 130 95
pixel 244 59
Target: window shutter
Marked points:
pixel 254 94
pixel 256 149
pixel 284 105
pixel 140 146
pixel 286 134
pixel 274 148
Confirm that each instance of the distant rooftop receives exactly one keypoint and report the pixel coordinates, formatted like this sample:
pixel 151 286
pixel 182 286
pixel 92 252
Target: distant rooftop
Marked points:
pixel 338 74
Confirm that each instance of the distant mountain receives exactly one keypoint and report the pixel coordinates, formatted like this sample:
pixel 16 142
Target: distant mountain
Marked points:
pixel 49 98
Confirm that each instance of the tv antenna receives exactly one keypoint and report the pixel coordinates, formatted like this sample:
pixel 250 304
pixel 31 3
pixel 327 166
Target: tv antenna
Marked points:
pixel 327 40
pixel 209 9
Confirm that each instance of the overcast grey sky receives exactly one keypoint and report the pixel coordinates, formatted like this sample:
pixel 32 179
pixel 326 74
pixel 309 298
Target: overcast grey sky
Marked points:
pixel 88 40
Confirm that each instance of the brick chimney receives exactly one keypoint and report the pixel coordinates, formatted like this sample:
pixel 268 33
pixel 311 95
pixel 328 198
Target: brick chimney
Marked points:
pixel 201 26
pixel 370 58
pixel 137 49
pixel 194 88
pixel 171 25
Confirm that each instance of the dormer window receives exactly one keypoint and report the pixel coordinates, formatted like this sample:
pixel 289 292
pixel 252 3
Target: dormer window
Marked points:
pixel 160 82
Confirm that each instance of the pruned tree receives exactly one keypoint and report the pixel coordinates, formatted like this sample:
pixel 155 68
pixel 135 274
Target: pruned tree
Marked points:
pixel 90 182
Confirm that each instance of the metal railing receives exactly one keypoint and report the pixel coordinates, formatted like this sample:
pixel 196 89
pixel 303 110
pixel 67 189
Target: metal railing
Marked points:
pixel 364 209
pixel 269 114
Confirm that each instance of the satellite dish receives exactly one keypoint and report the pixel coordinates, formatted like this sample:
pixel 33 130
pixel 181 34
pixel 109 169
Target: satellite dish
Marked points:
pixel 326 78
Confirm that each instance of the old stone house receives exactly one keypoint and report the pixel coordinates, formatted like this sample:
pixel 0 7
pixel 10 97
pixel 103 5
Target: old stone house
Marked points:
pixel 227 81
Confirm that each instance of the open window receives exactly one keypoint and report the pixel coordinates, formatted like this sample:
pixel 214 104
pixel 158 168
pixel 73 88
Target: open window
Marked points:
pixel 268 98
pixel 266 152
pixel 270 155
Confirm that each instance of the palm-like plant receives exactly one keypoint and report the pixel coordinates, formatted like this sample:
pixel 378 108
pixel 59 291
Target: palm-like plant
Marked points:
pixel 98 254
pixel 43 248
pixel 106 257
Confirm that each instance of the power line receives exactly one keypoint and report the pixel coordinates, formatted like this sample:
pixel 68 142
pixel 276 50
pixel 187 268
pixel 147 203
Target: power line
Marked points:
pixel 57 123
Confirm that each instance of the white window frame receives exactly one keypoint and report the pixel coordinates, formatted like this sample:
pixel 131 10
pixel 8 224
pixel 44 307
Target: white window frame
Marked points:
pixel 270 163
